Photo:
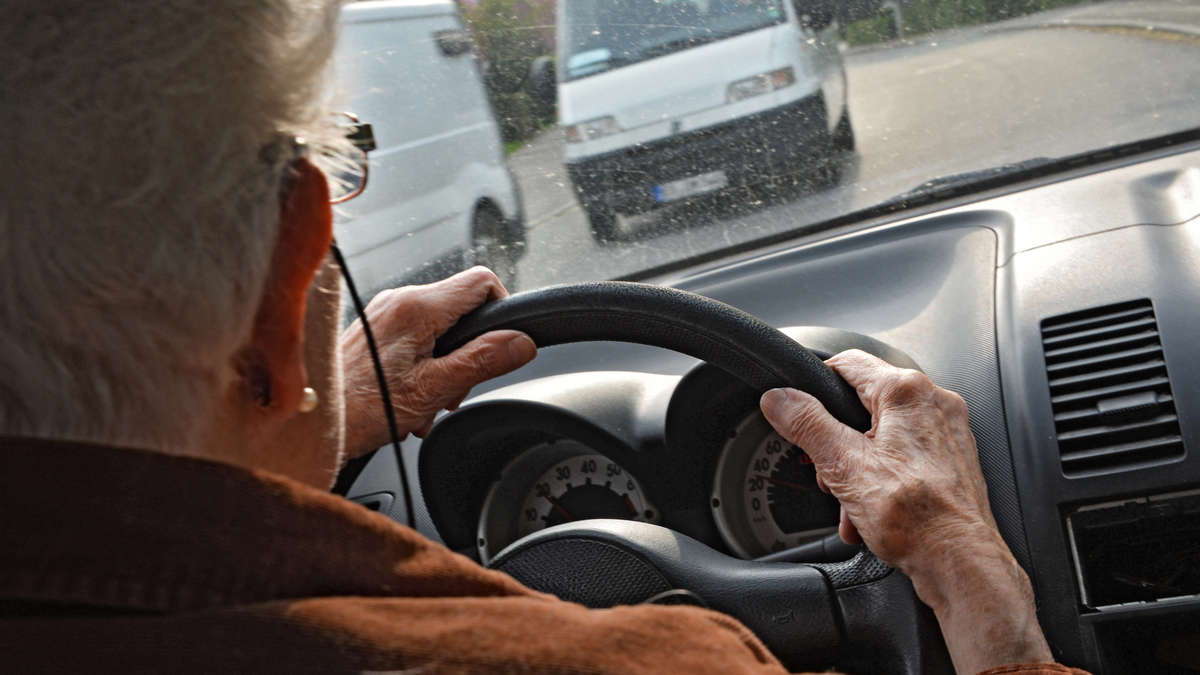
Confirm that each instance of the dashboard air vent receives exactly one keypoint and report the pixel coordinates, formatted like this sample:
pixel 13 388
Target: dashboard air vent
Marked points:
pixel 1112 402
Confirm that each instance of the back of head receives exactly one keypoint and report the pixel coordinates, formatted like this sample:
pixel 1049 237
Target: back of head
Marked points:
pixel 139 201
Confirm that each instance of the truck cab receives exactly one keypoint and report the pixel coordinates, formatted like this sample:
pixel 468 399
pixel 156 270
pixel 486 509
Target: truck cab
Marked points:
pixel 665 101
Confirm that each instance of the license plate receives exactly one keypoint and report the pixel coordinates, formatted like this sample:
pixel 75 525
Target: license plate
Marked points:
pixel 692 185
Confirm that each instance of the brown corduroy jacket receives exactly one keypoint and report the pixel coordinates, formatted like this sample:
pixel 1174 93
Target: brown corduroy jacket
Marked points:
pixel 132 561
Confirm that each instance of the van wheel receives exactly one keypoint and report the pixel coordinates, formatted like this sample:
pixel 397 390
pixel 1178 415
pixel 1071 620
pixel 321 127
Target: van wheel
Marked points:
pixel 490 249
pixel 603 222
pixel 843 133
pixel 610 227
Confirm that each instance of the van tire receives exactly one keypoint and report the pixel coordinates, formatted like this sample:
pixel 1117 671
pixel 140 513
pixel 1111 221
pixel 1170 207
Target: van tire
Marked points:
pixel 490 248
pixel 603 222
pixel 843 133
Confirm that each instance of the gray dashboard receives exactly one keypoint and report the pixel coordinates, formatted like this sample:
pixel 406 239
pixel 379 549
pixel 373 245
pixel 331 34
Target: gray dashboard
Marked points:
pixel 964 292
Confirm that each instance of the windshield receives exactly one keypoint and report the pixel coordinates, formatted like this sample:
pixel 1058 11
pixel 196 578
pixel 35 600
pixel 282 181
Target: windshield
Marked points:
pixel 603 34
pixel 615 139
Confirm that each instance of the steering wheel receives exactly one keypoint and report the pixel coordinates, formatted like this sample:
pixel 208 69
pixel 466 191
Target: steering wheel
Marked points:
pixel 860 614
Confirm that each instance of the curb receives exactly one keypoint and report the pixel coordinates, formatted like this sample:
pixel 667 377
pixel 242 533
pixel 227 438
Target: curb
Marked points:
pixel 1177 28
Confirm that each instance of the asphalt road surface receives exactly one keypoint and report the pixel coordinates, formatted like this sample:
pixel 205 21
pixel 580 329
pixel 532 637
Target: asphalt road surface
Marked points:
pixel 1051 85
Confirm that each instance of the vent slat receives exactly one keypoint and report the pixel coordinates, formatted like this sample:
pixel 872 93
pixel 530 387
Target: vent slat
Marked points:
pixel 1091 414
pixel 1140 428
pixel 1091 363
pixel 1109 376
pixel 1100 333
pixel 1124 449
pixel 1103 346
pixel 1092 395
pixel 1052 327
pixel 1110 393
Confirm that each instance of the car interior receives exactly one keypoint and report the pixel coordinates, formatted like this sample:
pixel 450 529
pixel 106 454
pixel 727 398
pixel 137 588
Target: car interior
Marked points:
pixel 629 462
pixel 1060 306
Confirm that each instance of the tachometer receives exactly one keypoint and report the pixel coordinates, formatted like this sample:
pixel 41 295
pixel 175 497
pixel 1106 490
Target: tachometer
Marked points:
pixel 553 483
pixel 765 495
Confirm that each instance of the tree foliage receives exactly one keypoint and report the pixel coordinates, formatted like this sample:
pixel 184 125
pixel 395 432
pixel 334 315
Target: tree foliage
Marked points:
pixel 509 35
pixel 923 16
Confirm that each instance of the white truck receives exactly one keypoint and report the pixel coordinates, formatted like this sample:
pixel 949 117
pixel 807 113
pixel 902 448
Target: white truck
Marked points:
pixel 662 100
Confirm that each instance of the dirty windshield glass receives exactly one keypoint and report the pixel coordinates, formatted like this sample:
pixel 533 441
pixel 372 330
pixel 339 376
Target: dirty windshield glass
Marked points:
pixel 603 34
pixel 597 139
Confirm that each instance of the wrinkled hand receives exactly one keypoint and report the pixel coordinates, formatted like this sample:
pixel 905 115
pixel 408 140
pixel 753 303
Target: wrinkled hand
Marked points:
pixel 910 484
pixel 406 322
pixel 911 487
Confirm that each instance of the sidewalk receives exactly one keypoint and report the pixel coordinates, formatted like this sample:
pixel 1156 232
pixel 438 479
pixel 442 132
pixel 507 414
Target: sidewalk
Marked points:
pixel 537 166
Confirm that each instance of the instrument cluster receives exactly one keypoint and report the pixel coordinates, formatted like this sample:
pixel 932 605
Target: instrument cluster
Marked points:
pixel 718 473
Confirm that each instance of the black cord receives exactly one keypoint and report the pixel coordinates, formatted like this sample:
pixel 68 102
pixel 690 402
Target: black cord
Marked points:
pixel 383 388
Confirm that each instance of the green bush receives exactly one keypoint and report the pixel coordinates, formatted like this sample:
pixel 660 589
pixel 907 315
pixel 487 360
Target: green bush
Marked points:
pixel 924 16
pixel 515 115
pixel 509 36
pixel 879 28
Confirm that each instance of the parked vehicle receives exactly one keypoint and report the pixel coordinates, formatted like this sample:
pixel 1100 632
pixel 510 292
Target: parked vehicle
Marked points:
pixel 440 196
pixel 662 101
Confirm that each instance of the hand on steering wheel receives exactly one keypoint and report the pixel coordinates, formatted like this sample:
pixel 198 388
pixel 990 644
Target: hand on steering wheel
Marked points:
pixel 406 322
pixel 911 486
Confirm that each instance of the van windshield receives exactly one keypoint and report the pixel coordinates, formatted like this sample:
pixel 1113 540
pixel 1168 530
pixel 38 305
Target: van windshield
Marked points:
pixel 606 34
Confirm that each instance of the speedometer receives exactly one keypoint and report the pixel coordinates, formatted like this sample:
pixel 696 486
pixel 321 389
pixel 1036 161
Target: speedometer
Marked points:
pixel 765 495
pixel 553 483
pixel 579 488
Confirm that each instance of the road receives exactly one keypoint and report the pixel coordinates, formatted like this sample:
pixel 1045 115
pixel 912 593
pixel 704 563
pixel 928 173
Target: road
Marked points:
pixel 1054 84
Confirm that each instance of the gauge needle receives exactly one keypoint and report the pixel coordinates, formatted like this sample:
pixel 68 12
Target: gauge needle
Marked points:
pixel 559 508
pixel 784 483
pixel 630 506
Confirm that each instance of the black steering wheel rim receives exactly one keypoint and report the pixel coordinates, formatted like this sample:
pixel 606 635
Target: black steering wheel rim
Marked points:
pixel 712 331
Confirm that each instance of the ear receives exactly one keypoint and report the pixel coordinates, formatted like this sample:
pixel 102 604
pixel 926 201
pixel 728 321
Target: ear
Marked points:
pixel 276 349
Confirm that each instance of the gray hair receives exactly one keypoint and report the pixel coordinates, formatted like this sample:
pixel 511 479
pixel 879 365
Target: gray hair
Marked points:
pixel 138 211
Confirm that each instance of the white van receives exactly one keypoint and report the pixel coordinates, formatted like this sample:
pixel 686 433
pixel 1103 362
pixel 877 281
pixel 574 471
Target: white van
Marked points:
pixel 439 195
pixel 662 100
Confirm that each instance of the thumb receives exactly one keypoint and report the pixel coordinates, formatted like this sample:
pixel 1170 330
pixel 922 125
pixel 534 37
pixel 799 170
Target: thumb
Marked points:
pixel 802 420
pixel 489 355
pixel 847 530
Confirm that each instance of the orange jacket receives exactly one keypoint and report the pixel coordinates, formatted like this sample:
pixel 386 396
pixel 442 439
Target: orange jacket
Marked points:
pixel 124 560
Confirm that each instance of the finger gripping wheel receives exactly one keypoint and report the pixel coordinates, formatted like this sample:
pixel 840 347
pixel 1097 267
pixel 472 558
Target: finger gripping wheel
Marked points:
pixel 701 327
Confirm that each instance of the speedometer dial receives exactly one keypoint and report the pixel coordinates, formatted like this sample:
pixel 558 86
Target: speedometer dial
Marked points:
pixel 579 488
pixel 553 483
pixel 765 495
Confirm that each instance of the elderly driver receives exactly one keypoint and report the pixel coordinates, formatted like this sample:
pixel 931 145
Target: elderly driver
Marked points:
pixel 175 398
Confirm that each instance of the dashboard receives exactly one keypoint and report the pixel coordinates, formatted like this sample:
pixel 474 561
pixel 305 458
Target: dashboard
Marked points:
pixel 1063 310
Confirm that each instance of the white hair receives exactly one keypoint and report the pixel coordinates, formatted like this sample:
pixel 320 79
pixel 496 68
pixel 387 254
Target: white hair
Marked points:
pixel 138 210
